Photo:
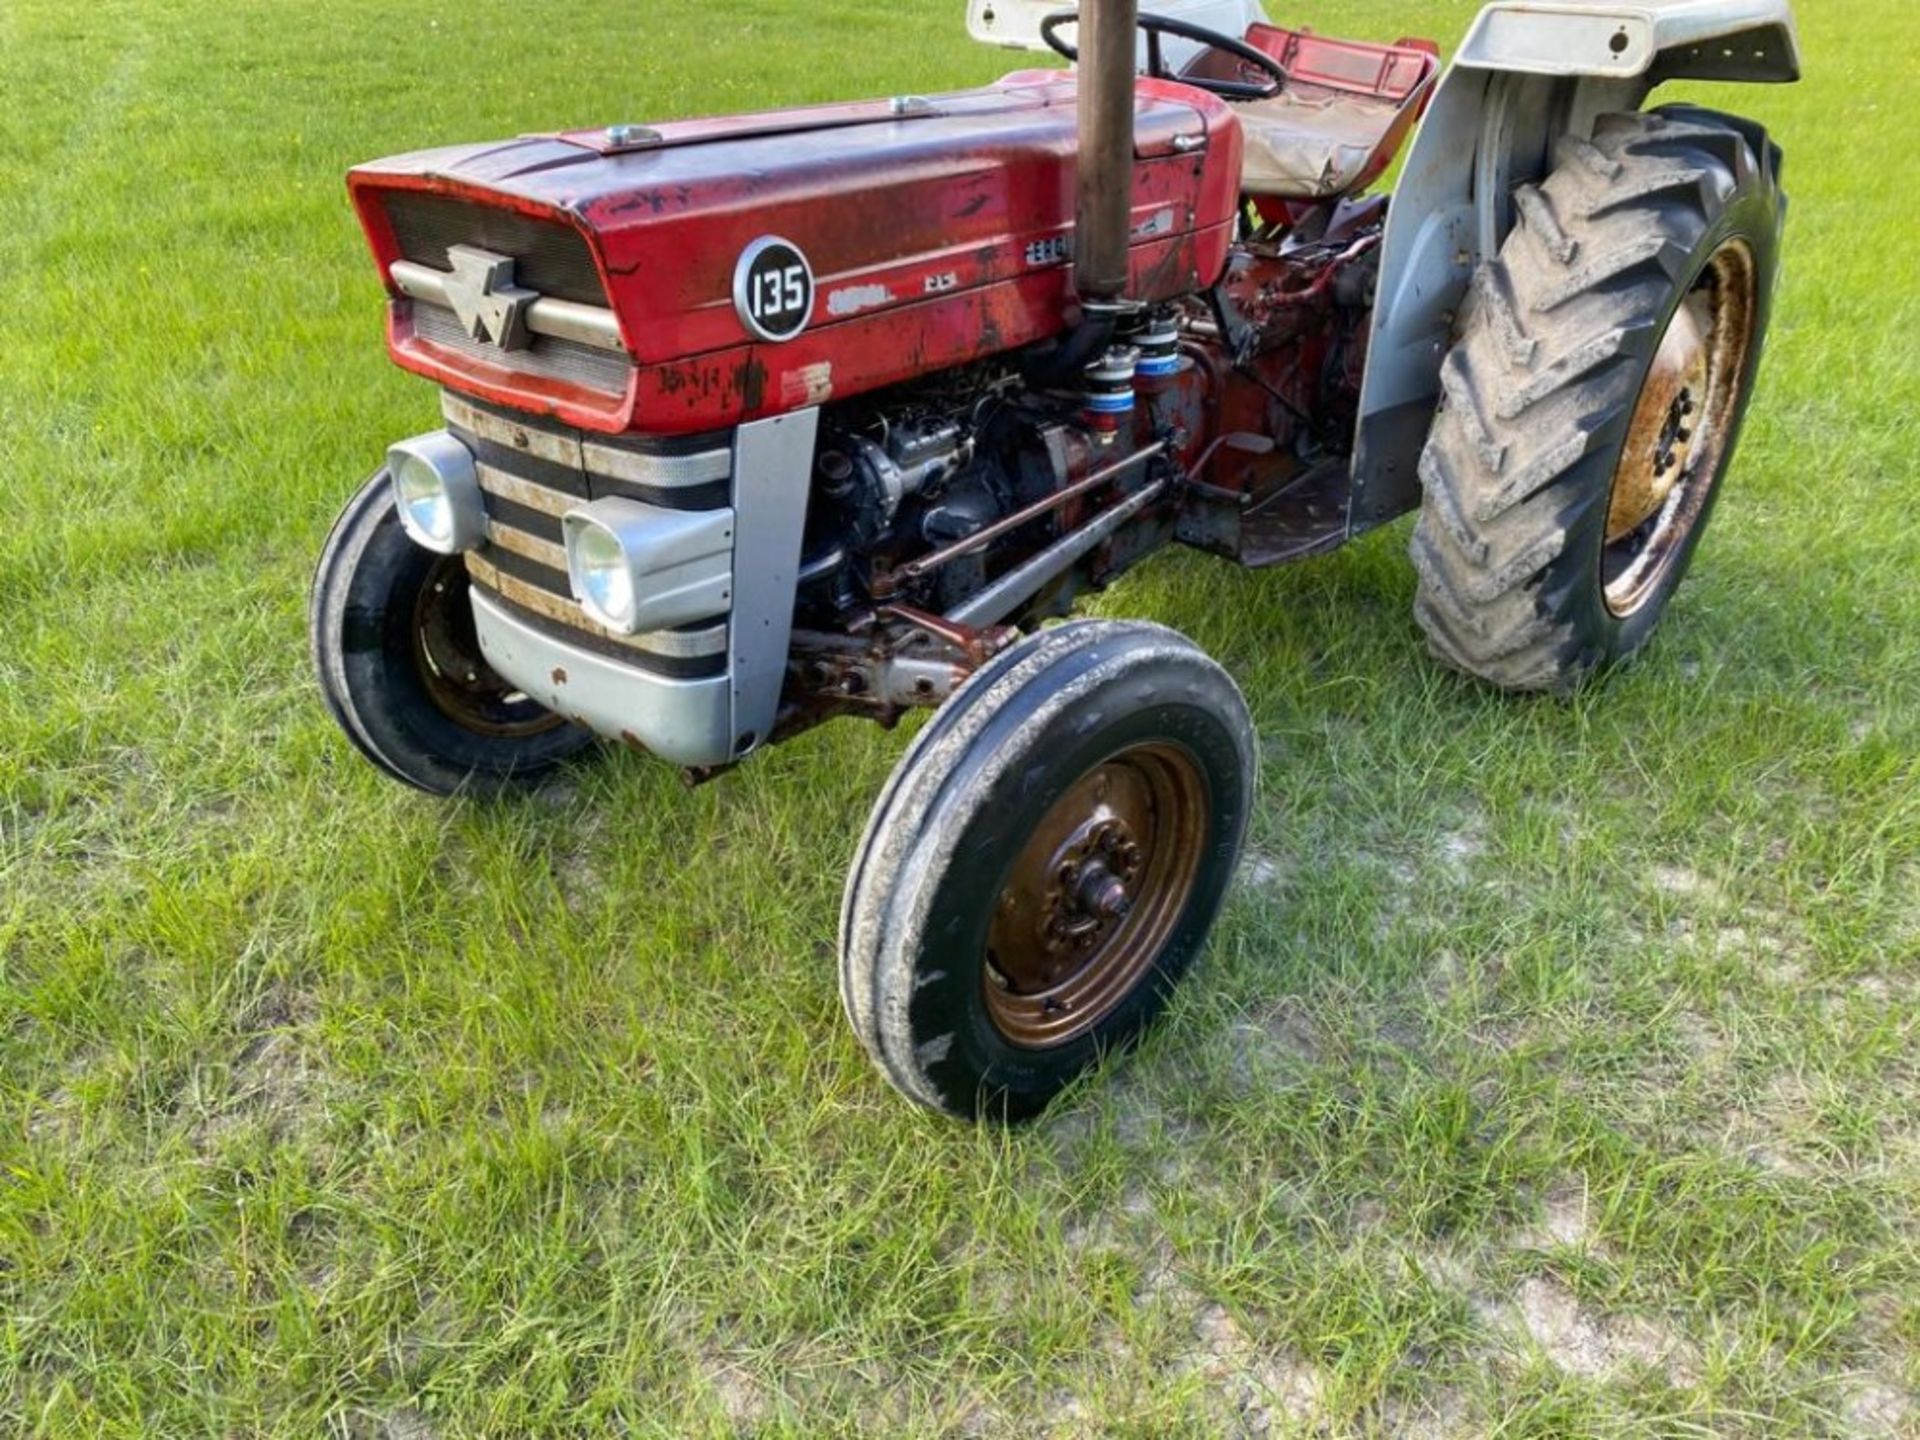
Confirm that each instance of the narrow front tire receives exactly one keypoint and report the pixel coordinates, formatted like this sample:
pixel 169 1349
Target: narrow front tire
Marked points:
pixel 401 669
pixel 1045 865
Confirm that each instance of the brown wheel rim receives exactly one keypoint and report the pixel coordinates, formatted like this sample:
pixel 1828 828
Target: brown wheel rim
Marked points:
pixel 1682 429
pixel 1095 894
pixel 461 684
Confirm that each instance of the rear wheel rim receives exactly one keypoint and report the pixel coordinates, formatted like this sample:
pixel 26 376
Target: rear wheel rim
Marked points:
pixel 456 676
pixel 1095 894
pixel 1681 432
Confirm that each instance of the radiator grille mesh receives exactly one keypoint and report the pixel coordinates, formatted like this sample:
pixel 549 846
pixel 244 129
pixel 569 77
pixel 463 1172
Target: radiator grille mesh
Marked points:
pixel 550 257
pixel 546 357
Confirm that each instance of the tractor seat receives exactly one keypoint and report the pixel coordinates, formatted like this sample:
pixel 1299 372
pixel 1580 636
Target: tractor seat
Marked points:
pixel 1339 120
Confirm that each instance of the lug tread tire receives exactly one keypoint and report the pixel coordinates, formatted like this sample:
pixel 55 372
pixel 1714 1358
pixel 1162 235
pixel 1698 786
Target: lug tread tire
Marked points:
pixel 1537 392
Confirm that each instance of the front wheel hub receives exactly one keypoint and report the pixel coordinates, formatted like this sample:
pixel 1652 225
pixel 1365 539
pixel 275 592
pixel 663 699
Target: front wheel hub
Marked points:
pixel 1090 900
pixel 1103 894
pixel 455 674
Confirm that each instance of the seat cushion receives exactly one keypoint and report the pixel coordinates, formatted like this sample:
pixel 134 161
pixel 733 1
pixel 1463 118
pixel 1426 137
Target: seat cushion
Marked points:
pixel 1342 114
pixel 1307 143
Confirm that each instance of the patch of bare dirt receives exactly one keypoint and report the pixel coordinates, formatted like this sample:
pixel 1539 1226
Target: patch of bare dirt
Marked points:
pixel 1565 1221
pixel 409 1424
pixel 1879 1410
pixel 1261 1048
pixel 1065 1413
pixel 739 1393
pixel 1256 1386
pixel 1162 1284
pixel 276 1080
pixel 1545 1314
pixel 1441 1415
pixel 1683 883
pixel 1704 1040
pixel 1264 871
pixel 1447 1270
pixel 1456 850
pixel 405 1423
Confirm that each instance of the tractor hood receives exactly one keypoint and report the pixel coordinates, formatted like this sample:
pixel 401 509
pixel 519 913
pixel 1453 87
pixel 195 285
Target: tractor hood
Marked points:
pixel 934 230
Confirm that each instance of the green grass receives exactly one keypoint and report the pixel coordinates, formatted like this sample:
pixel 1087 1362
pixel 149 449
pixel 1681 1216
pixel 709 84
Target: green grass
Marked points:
pixel 1554 1071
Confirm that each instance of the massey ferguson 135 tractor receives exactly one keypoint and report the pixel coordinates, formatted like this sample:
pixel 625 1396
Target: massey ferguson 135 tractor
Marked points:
pixel 755 421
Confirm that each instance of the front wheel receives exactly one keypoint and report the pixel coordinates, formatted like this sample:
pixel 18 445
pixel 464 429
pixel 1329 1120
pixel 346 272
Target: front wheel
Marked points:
pixel 1044 865
pixel 401 669
pixel 1595 396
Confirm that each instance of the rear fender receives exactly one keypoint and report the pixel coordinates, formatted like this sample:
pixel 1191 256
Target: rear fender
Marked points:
pixel 1528 72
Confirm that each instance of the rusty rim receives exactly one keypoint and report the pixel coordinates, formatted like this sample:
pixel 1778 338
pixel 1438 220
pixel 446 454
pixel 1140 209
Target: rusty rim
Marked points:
pixel 457 678
pixel 1095 894
pixel 1682 427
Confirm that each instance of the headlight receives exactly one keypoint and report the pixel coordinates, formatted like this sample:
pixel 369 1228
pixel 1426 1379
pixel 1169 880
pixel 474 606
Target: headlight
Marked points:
pixel 437 491
pixel 601 578
pixel 637 567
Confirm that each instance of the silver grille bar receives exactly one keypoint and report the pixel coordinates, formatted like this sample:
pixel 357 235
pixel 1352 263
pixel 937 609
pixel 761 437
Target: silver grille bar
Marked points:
pixel 663 472
pixel 560 319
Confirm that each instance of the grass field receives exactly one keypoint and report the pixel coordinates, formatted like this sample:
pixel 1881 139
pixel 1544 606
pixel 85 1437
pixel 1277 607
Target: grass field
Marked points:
pixel 1554 1071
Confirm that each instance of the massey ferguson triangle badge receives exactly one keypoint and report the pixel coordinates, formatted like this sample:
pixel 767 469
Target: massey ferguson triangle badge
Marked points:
pixel 489 306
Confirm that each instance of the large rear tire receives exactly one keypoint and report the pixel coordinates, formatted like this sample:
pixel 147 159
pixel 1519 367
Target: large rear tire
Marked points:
pixel 1594 399
pixel 400 667
pixel 1044 865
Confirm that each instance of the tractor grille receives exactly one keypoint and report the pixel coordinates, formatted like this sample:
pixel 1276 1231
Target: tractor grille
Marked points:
pixel 533 471
pixel 549 257
pixel 548 357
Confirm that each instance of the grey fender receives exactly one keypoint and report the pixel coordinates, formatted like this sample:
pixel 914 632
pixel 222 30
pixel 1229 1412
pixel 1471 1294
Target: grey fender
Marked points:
pixel 1528 72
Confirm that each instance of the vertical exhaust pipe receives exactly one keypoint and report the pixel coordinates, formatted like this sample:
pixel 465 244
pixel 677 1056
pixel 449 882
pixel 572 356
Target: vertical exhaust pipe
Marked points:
pixel 1103 197
pixel 1103 212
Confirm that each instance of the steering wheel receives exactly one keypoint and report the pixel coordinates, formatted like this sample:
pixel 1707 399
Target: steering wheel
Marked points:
pixel 1274 77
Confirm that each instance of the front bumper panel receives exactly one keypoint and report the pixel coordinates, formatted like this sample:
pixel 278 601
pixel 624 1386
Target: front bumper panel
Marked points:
pixel 687 721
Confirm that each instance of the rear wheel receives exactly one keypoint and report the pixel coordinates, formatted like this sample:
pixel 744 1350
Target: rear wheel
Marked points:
pixel 1044 865
pixel 1595 397
pixel 401 668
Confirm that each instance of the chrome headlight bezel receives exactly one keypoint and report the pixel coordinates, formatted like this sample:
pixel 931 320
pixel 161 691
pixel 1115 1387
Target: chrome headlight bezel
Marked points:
pixel 637 568
pixel 436 488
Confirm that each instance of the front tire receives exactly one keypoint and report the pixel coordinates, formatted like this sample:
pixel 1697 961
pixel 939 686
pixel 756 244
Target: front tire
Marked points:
pixel 1594 399
pixel 395 651
pixel 1044 865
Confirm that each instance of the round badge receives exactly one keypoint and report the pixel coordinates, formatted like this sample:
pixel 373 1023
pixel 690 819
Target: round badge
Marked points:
pixel 773 289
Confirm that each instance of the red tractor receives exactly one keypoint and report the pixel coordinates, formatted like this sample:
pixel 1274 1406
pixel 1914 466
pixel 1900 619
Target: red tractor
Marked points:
pixel 759 420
